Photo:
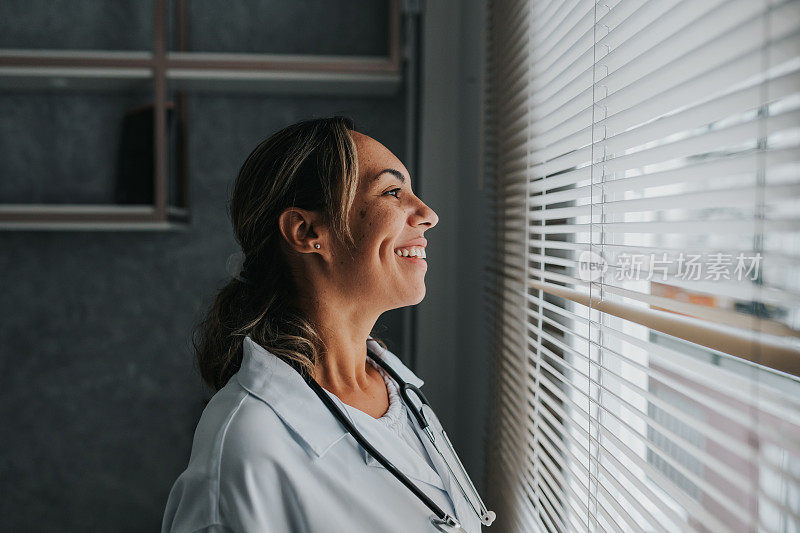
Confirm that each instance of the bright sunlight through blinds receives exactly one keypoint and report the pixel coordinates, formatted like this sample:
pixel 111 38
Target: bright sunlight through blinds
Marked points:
pixel 644 161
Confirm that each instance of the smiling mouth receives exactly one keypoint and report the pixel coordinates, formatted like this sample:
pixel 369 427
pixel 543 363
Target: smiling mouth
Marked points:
pixel 414 252
pixel 419 261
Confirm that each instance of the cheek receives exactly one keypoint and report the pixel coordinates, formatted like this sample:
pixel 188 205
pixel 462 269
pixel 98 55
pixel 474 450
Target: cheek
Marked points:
pixel 367 233
pixel 376 229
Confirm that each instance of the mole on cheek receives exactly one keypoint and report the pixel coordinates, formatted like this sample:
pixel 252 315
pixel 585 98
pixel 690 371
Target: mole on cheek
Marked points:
pixel 363 213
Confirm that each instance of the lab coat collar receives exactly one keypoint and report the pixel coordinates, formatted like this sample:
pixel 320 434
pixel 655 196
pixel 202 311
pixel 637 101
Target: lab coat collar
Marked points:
pixel 271 379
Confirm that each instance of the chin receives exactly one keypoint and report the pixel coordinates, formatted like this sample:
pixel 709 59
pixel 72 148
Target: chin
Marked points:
pixel 412 299
pixel 420 296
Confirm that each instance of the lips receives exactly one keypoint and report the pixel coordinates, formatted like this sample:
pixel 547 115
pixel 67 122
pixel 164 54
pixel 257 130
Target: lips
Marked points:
pixel 418 261
pixel 420 242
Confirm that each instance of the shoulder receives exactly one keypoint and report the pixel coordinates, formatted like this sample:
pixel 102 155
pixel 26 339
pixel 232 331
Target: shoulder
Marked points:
pixel 237 435
pixel 254 431
pixel 238 426
pixel 232 418
pixel 257 458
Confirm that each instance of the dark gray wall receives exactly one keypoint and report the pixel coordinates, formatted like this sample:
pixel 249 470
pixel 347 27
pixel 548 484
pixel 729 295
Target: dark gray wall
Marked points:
pixel 101 396
pixel 453 343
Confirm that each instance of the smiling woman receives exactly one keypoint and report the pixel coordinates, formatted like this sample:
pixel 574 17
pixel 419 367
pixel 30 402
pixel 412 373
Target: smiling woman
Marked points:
pixel 333 237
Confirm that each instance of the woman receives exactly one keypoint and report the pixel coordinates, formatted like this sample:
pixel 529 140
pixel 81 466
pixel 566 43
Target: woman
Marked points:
pixel 333 236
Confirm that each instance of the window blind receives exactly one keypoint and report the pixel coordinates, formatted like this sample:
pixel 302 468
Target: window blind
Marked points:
pixel 643 159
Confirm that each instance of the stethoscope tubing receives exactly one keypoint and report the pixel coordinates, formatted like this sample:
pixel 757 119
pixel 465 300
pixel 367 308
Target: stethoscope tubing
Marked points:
pixel 425 425
pixel 333 408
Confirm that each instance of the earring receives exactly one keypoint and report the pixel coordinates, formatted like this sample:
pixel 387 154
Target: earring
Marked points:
pixel 316 245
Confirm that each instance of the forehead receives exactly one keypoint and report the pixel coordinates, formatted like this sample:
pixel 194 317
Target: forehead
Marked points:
pixel 374 157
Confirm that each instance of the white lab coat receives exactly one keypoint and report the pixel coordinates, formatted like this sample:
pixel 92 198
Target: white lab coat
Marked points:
pixel 268 456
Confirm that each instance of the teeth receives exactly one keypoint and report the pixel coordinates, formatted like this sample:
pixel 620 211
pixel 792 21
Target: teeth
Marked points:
pixel 411 252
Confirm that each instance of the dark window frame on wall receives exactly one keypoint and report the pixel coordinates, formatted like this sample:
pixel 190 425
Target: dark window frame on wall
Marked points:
pixel 177 73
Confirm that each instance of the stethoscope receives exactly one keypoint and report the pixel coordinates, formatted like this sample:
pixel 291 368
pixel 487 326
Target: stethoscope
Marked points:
pixel 424 415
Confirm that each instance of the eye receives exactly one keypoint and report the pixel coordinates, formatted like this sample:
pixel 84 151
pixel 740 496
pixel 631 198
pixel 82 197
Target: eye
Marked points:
pixel 393 191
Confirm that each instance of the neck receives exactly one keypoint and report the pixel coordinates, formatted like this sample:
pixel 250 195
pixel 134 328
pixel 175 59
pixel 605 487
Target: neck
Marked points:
pixel 343 368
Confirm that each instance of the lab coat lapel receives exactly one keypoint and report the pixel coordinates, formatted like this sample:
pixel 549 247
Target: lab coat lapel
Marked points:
pixel 272 380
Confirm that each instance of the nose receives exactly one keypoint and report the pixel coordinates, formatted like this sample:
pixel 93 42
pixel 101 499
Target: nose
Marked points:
pixel 425 216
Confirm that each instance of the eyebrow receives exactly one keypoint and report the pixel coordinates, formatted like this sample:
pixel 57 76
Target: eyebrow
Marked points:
pixel 396 173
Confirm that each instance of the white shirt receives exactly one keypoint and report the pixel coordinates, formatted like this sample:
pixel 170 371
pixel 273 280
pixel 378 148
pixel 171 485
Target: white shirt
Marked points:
pixel 268 456
pixel 397 418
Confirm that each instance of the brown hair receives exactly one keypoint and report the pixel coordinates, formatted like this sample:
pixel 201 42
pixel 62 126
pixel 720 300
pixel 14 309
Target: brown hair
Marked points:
pixel 312 165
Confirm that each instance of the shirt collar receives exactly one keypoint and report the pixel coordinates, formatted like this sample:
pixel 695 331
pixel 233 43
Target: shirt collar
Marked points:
pixel 271 379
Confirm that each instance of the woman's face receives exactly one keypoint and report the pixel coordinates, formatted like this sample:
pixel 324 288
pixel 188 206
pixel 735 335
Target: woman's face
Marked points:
pixel 387 216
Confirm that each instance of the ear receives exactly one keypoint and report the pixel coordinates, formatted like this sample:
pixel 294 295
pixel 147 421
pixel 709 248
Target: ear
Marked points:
pixel 302 229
